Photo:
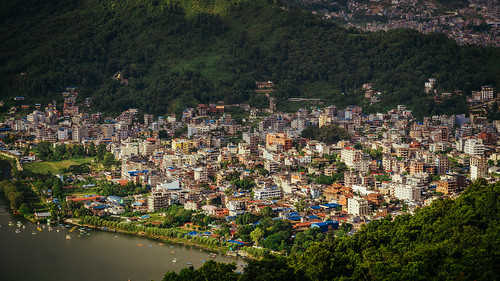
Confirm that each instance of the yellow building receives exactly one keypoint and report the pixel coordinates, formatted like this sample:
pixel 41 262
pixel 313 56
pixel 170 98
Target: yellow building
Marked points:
pixel 183 145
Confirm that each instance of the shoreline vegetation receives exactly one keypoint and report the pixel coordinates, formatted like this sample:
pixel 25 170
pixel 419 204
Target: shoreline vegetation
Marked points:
pixel 175 237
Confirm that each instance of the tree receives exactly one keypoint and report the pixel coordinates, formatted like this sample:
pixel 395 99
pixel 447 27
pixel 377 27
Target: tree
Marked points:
pixel 256 235
pixel 44 150
pixel 101 151
pixel 270 267
pixel 266 212
pixel 109 160
pixel 91 151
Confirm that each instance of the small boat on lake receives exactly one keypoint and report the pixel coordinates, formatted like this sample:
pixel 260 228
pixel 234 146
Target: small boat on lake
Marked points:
pixel 68 237
pixel 18 231
pixel 174 260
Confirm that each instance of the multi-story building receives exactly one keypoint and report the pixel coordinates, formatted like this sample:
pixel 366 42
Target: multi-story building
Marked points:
pixel 487 92
pixel 358 206
pixel 183 145
pixel 478 167
pixel 279 138
pixel 158 200
pixel 442 164
pixel 447 185
pixel 474 147
pixel 79 133
pixel 266 193
pixel 407 192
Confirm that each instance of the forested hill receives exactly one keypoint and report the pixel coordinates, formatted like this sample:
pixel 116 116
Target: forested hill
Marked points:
pixel 449 240
pixel 177 53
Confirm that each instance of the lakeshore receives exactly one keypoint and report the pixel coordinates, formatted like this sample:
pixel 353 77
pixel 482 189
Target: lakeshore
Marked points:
pixel 97 255
pixel 221 250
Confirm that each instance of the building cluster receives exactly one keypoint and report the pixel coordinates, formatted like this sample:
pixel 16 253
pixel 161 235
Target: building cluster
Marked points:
pixel 478 23
pixel 389 162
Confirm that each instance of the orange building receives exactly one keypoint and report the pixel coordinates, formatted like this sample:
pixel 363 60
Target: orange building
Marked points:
pixel 279 138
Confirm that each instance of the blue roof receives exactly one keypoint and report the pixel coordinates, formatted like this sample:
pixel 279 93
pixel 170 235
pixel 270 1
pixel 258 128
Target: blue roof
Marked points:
pixel 315 207
pixel 330 205
pixel 236 242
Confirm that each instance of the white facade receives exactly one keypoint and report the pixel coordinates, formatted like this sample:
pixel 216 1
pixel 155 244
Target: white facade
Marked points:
pixel 358 206
pixel 474 147
pixel 265 193
pixel 407 192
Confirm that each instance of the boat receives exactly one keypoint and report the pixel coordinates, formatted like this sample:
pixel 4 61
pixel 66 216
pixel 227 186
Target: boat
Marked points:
pixel 33 233
pixel 58 230
pixel 68 237
pixel 39 229
pixel 18 231
pixel 173 253
pixel 10 223
pixel 160 244
pixel 189 263
pixel 140 245
pixel 150 245
pixel 203 260
pixel 171 246
pixel 174 260
pixel 73 229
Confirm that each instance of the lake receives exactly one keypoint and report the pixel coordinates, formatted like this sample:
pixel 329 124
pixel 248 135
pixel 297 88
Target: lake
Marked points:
pixel 48 255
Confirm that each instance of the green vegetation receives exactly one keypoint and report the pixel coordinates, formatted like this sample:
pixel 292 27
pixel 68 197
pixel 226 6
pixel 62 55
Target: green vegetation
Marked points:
pixel 328 134
pixel 449 240
pixel 181 53
pixel 55 167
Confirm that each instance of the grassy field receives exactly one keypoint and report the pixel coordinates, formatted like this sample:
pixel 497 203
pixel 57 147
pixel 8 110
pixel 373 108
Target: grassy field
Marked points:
pixel 54 167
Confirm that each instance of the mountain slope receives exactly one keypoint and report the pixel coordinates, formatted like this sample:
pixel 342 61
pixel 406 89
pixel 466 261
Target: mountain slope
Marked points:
pixel 179 53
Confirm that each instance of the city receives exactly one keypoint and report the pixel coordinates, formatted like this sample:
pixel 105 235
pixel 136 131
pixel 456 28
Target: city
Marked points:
pixel 318 168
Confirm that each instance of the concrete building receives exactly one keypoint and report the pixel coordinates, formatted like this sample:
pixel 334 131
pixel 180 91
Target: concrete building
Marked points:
pixel 358 206
pixel 267 193
pixel 407 192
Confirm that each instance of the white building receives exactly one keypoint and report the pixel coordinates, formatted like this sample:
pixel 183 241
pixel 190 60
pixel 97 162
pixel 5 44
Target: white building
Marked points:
pixel 474 147
pixel 407 192
pixel 266 193
pixel 358 206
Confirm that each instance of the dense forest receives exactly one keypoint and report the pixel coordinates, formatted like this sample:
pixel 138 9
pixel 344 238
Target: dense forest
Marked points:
pixel 172 54
pixel 449 240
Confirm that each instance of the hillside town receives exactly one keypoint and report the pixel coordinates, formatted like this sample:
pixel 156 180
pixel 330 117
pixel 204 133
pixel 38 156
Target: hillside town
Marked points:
pixel 224 166
pixel 477 23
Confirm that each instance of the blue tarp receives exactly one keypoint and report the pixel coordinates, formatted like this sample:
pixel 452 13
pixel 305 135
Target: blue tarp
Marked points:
pixel 236 242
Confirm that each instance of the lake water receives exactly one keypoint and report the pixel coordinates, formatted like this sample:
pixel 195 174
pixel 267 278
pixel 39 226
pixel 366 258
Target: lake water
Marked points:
pixel 48 255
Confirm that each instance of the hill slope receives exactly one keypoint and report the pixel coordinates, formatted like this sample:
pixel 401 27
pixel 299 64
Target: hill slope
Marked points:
pixel 179 53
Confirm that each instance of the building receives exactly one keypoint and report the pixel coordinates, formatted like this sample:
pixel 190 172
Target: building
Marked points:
pixel 267 193
pixel 80 133
pixel 407 192
pixel 157 201
pixel 447 185
pixel 183 145
pixel 487 92
pixel 442 164
pixel 478 167
pixel 278 139
pixel 358 206
pixel 474 147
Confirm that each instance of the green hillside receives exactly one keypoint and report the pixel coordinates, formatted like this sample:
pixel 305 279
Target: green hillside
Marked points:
pixel 180 53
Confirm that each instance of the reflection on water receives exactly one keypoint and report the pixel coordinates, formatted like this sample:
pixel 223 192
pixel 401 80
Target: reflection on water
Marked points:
pixel 38 252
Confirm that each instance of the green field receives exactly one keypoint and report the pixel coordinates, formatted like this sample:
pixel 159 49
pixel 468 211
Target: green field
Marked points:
pixel 54 167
